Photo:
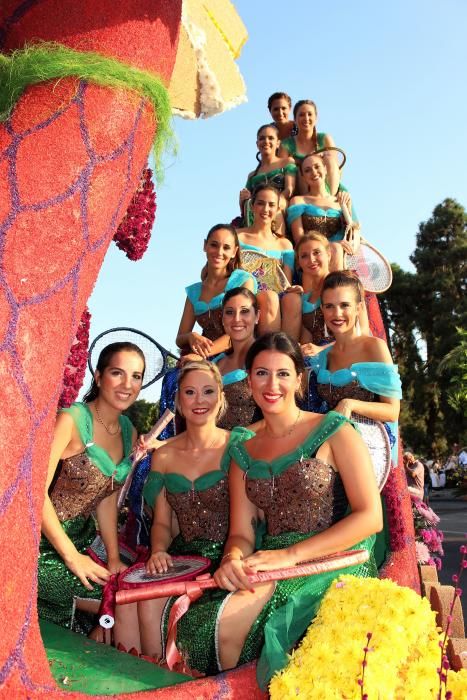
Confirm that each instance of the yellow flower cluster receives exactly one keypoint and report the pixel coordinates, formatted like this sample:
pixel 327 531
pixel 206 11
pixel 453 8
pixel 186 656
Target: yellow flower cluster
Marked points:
pixel 403 652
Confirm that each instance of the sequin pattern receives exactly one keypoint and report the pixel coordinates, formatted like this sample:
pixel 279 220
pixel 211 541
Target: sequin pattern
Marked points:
pixel 79 487
pixel 307 496
pixel 314 323
pixel 333 394
pixel 211 323
pixel 241 409
pixel 327 225
pixel 203 514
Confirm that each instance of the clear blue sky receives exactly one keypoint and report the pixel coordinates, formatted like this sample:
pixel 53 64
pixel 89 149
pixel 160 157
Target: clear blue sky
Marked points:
pixel 390 83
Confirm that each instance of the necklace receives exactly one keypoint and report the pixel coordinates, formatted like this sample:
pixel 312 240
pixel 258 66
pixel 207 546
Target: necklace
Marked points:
pixel 287 432
pixel 107 429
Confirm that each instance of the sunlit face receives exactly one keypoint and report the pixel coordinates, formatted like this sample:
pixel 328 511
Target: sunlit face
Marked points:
pixel 313 258
pixel 340 309
pixel 220 248
pixel 274 381
pixel 267 141
pixel 120 382
pixel 199 397
pixel 265 206
pixel 306 117
pixel 239 318
pixel 280 110
pixel 313 169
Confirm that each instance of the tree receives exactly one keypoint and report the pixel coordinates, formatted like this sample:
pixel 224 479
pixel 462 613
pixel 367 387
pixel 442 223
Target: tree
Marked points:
pixel 143 414
pixel 422 311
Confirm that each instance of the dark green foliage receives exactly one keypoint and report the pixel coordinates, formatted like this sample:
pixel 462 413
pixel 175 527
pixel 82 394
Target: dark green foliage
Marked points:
pixel 143 415
pixel 423 311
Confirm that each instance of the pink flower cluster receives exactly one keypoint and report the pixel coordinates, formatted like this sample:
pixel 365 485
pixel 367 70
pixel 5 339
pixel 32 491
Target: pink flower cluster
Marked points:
pixel 75 367
pixel 428 538
pixel 134 231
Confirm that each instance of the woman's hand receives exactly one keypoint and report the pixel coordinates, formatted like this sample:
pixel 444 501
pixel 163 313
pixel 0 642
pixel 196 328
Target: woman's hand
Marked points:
pixel 269 560
pixel 116 566
pixel 200 345
pixel 345 407
pixel 232 575
pixel 87 569
pixel 294 289
pixel 344 199
pixel 310 349
pixel 159 563
pixel 244 195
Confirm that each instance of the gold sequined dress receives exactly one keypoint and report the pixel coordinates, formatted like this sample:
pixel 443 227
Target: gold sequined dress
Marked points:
pixel 241 408
pixel 81 483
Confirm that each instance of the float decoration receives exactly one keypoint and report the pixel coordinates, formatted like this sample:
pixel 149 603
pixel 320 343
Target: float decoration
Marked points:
pixel 75 367
pixel 134 231
pixel 395 626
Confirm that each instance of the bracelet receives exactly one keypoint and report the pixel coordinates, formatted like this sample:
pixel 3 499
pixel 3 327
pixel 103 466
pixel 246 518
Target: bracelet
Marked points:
pixel 229 554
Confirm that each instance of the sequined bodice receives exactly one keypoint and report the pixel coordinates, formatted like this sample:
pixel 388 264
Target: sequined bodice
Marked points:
pixel 308 496
pixel 241 409
pixel 333 394
pixel 203 514
pixel 327 225
pixel 314 323
pixel 211 323
pixel 79 487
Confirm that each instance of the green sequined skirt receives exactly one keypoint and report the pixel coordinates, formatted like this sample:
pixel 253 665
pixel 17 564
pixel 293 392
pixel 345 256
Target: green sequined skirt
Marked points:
pixel 280 625
pixel 58 586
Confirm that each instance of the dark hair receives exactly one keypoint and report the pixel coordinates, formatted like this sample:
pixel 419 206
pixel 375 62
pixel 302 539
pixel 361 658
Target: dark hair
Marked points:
pixel 311 155
pixel 236 262
pixel 280 342
pixel 105 358
pixel 258 155
pixel 300 103
pixel 278 96
pixel 267 126
pixel 343 278
pixel 260 188
pixel 297 106
pixel 243 292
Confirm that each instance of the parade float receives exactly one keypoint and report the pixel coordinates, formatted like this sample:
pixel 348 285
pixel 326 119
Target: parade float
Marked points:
pixel 87 90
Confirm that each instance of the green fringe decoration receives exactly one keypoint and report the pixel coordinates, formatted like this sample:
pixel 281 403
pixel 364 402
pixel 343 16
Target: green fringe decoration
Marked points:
pixel 37 63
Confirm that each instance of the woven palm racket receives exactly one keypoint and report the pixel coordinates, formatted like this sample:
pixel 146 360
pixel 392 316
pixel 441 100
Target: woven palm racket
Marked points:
pixel 267 271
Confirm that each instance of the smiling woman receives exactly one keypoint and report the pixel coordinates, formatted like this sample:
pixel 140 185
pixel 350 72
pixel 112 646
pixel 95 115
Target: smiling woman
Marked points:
pixel 89 460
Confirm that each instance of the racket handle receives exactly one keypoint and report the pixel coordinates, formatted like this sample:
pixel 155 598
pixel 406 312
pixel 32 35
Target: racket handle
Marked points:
pixel 137 454
pixel 347 215
pixel 340 560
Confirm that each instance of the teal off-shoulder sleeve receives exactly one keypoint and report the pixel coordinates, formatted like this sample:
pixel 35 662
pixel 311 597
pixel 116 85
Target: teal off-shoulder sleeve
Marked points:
pixel 238 278
pixel 294 211
pixel 380 378
pixel 288 258
pixel 153 487
pixel 193 291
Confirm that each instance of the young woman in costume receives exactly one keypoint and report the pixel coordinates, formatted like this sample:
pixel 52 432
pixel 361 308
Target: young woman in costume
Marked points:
pixel 204 299
pixel 356 374
pixel 279 106
pixel 312 479
pixel 89 460
pixel 240 316
pixel 271 169
pixel 302 317
pixel 307 140
pixel 260 238
pixel 188 479
pixel 321 211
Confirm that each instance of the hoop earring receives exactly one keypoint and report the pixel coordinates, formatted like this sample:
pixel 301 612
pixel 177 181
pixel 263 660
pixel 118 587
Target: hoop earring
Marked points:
pixel 326 332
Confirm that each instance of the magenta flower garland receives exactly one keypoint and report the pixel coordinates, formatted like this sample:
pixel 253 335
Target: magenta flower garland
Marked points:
pixel 134 231
pixel 75 367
